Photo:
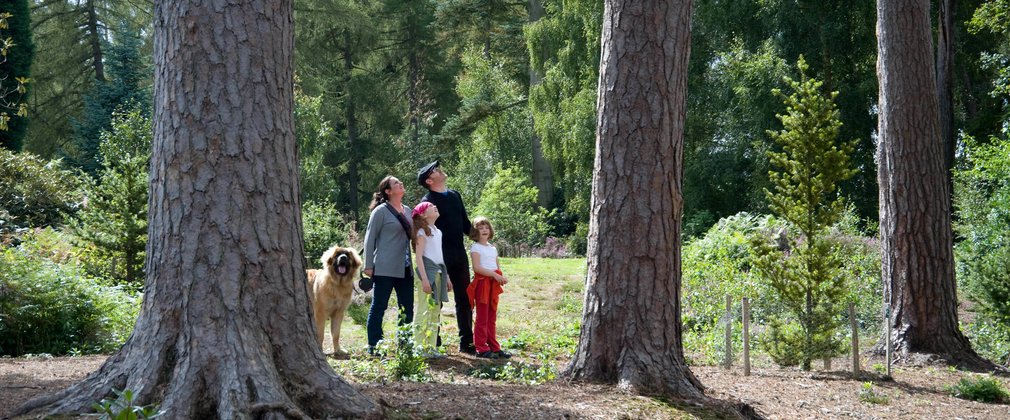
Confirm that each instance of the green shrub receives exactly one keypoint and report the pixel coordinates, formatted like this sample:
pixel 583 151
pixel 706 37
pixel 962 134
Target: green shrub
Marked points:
pixel 720 263
pixel 123 408
pixel 517 372
pixel 35 193
pixel 324 227
pixel 53 308
pixel 401 357
pixel 868 394
pixel 989 338
pixel 714 265
pixel 982 199
pixel 510 202
pixel 980 388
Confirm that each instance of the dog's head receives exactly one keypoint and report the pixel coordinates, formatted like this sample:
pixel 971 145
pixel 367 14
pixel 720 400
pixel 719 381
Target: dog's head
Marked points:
pixel 341 261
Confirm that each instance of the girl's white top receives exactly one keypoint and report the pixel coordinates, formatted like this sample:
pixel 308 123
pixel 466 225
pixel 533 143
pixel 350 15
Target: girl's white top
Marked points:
pixel 488 255
pixel 433 245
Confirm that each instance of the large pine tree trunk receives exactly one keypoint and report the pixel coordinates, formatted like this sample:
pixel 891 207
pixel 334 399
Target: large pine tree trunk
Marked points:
pixel 915 220
pixel 945 81
pixel 631 328
pixel 225 329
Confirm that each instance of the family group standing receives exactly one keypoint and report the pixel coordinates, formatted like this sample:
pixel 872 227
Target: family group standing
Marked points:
pixel 435 228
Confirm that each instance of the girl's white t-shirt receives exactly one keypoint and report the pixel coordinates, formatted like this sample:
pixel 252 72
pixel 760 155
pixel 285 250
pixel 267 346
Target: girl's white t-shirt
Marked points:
pixel 488 255
pixel 433 245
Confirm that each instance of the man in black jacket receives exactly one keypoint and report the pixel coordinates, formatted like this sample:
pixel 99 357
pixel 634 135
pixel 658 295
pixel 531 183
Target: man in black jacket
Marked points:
pixel 454 224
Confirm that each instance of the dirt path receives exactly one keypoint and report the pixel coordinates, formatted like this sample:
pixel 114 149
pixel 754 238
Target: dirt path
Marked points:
pixel 917 393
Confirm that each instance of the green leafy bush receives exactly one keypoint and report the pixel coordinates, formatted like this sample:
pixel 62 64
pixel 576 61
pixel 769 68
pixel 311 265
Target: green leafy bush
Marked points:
pixel 124 408
pixel 510 202
pixel 989 339
pixel 324 227
pixel 35 193
pixel 517 372
pixel 401 357
pixel 46 307
pixel 870 395
pixel 715 265
pixel 982 198
pixel 980 388
pixel 721 262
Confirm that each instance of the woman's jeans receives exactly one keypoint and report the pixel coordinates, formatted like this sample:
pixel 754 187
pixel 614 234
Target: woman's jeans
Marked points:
pixel 383 287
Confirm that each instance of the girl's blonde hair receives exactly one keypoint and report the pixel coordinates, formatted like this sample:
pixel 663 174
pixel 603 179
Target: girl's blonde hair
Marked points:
pixel 475 234
pixel 419 223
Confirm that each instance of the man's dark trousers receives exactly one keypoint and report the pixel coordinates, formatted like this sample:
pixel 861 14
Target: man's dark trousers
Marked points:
pixel 459 275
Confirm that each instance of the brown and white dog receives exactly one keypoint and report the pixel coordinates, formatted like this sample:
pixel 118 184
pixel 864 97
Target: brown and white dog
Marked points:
pixel 330 291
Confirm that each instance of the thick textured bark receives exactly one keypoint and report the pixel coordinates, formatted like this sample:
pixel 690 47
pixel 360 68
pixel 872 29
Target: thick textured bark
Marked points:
pixel 225 328
pixel 631 329
pixel 945 82
pixel 543 175
pixel 915 220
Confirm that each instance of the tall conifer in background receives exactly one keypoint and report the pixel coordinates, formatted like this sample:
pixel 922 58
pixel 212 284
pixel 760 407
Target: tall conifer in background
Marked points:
pixel 127 73
pixel 806 274
pixel 15 68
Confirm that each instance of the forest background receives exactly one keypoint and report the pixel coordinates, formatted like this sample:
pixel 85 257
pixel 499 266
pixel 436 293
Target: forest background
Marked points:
pixel 504 93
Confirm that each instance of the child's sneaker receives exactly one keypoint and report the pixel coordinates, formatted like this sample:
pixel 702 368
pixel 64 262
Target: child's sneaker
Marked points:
pixel 502 354
pixel 487 355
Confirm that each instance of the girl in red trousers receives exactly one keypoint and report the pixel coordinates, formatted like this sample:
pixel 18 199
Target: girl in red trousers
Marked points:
pixel 484 290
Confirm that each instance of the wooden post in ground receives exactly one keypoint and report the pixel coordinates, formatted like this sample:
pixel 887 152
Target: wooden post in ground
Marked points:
pixel 855 339
pixel 887 338
pixel 729 333
pixel 746 337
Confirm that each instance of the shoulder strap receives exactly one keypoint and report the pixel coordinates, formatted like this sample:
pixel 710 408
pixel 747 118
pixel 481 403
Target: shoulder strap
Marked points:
pixel 399 217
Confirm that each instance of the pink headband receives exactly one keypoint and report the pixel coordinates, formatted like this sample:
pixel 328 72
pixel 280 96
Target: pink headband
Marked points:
pixel 421 208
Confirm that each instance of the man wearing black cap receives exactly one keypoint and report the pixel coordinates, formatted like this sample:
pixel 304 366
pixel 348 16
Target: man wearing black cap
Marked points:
pixel 454 224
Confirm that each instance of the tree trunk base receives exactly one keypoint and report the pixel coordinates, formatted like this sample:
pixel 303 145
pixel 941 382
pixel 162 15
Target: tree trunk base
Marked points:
pixel 678 386
pixel 257 383
pixel 964 359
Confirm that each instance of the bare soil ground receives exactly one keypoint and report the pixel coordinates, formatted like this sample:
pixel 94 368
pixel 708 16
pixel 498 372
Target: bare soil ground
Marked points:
pixel 916 392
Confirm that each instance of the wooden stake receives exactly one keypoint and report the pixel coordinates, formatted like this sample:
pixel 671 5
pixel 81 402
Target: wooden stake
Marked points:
pixel 729 333
pixel 746 337
pixel 887 338
pixel 855 339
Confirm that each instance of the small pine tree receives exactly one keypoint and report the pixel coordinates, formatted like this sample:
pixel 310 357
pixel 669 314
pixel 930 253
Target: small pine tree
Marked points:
pixel 114 222
pixel 804 271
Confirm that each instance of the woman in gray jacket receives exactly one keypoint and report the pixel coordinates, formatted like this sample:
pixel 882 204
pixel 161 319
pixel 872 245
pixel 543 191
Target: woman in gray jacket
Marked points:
pixel 387 257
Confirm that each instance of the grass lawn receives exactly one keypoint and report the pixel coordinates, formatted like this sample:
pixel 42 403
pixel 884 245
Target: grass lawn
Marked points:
pixel 538 317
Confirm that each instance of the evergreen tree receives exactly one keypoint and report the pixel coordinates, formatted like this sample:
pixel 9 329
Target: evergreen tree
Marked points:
pixel 114 222
pixel 72 38
pixel 16 53
pixel 128 74
pixel 806 275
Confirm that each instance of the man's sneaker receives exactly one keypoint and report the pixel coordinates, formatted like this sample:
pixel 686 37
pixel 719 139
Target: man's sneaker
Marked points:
pixel 502 354
pixel 468 350
pixel 487 355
